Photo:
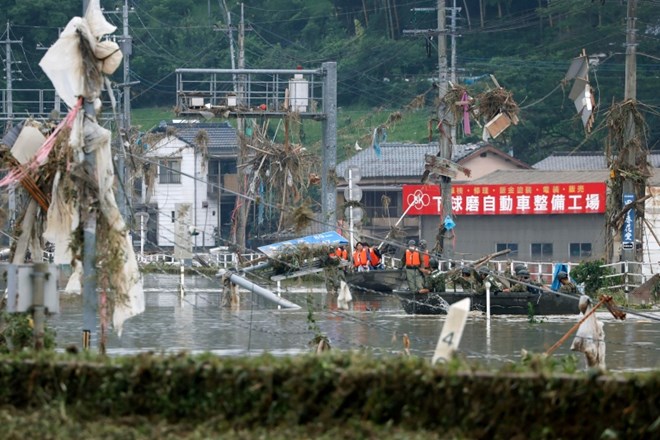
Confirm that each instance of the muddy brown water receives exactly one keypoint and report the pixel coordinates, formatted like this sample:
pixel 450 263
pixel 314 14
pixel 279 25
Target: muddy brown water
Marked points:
pixel 374 323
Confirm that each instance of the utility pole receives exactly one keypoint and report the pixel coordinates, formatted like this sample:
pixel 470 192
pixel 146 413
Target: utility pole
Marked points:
pixel 445 141
pixel 9 102
pixel 125 127
pixel 89 281
pixel 328 181
pixel 630 253
pixel 242 205
pixel 121 142
pixel 9 108
pixel 452 76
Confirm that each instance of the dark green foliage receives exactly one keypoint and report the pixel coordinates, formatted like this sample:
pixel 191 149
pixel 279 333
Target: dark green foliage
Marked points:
pixel 532 401
pixel 592 275
pixel 526 44
pixel 17 333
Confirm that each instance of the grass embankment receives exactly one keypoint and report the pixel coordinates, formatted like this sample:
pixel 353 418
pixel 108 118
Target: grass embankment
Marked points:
pixel 334 395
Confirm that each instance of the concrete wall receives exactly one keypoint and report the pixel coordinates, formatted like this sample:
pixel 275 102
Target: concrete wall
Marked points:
pixel 480 166
pixel 477 236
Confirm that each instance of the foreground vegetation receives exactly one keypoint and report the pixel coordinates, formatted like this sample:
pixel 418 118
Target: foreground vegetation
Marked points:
pixel 342 395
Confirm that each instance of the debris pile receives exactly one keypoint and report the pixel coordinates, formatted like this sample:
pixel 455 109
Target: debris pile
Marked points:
pixel 284 168
pixel 66 190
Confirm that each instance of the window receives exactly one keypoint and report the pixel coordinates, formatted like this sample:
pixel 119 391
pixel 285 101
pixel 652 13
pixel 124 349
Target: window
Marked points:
pixel 541 251
pixel 227 166
pixel 169 171
pixel 512 246
pixel 580 250
pixel 381 204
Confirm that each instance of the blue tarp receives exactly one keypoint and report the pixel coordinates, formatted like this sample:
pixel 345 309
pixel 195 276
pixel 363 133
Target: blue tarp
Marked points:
pixel 330 237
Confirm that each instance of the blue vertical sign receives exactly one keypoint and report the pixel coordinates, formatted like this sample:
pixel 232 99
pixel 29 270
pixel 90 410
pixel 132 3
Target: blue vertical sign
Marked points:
pixel 628 232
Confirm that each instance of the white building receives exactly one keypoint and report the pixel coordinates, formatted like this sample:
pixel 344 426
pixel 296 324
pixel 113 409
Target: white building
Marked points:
pixel 193 193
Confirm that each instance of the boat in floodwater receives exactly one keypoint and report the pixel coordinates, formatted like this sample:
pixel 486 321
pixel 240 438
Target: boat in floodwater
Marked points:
pixel 501 303
pixel 376 281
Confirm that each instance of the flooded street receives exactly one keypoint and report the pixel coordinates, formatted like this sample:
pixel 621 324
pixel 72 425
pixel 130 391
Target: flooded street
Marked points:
pixel 375 324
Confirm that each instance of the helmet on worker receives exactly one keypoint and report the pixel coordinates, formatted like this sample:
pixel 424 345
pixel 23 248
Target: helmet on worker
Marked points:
pixel 561 275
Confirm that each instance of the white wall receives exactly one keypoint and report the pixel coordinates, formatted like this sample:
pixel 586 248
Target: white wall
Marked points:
pixel 166 196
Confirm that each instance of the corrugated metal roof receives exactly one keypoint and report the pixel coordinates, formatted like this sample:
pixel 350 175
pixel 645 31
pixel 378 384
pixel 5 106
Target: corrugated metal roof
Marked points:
pixel 222 136
pixel 542 176
pixel 583 160
pixel 398 159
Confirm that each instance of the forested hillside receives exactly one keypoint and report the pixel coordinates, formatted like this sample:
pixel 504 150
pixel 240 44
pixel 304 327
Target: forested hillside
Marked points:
pixel 526 44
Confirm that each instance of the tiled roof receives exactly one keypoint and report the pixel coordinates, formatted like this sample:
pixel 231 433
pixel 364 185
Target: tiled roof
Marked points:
pixel 222 136
pixel 583 160
pixel 542 176
pixel 398 159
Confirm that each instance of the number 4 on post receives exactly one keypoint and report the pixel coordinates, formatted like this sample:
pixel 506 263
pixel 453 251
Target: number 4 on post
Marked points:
pixel 452 331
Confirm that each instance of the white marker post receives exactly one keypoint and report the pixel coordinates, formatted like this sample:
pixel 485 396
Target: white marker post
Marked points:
pixel 487 284
pixel 452 331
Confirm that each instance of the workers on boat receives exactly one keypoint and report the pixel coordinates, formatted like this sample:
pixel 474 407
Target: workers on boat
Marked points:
pixel 360 260
pixel 425 267
pixel 565 284
pixel 467 279
pixel 413 263
pixel 374 257
pixel 341 252
pixel 484 275
pixel 333 275
pixel 522 275
pixel 510 278
pixel 436 279
pixel 525 283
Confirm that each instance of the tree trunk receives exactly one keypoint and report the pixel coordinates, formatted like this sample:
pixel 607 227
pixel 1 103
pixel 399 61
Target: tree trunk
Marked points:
pixel 390 23
pixel 481 12
pixel 396 19
pixel 366 16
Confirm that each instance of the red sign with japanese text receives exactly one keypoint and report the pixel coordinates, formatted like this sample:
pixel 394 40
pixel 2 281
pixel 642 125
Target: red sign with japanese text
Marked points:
pixel 516 199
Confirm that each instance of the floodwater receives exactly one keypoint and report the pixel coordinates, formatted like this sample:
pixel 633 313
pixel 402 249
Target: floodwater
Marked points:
pixel 375 323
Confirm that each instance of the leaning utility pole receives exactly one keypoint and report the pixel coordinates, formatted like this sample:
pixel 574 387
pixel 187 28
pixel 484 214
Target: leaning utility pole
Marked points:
pixel 445 125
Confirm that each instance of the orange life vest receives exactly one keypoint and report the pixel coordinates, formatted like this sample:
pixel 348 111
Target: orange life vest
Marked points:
pixel 412 258
pixel 426 260
pixel 343 254
pixel 374 258
pixel 360 258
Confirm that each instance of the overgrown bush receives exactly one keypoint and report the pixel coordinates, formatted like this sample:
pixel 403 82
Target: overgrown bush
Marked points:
pixel 17 333
pixel 592 274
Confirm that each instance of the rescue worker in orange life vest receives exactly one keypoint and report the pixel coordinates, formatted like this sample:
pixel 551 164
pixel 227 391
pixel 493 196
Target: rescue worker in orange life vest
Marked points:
pixel 360 261
pixel 425 267
pixel 413 264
